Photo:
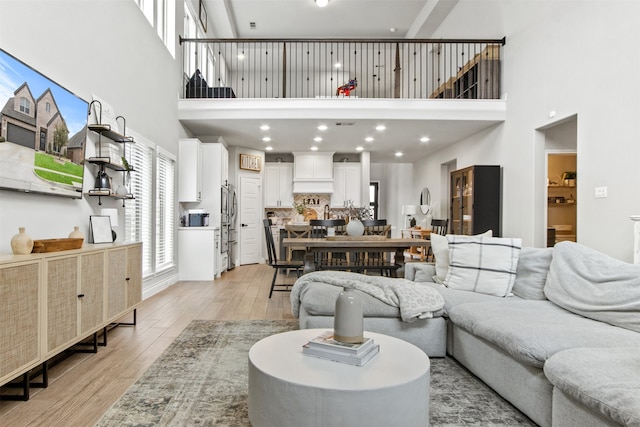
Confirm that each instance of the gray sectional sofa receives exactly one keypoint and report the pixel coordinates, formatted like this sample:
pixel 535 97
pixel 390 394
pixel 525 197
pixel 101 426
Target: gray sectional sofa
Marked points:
pixel 563 346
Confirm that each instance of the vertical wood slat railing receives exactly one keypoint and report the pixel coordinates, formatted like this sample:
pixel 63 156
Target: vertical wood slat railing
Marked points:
pixel 318 68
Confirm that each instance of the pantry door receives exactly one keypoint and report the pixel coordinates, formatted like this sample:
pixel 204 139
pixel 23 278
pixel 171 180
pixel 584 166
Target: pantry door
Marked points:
pixel 250 226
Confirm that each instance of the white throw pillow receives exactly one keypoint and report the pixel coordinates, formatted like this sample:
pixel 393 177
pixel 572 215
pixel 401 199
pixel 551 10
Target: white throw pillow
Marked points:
pixel 440 248
pixel 481 264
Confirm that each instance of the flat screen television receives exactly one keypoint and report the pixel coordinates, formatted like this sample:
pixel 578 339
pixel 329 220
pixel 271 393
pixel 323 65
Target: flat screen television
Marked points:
pixel 43 132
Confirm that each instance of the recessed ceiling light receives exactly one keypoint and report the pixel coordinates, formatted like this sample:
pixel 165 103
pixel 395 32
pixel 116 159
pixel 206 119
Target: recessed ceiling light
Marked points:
pixel 398 153
pixel 381 127
pixel 322 127
pixel 268 148
pixel 264 127
pixel 266 139
pixel 314 148
pixel 359 148
pixel 392 29
pixel 317 139
pixel 322 3
pixel 369 139
pixel 424 139
pixel 337 65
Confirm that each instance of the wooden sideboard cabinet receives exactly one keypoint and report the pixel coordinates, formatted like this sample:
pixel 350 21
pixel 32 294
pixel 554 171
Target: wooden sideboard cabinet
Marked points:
pixel 52 301
pixel 20 332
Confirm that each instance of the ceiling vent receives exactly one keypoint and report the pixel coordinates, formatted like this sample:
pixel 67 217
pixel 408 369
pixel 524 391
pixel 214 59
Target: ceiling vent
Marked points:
pixel 252 25
pixel 345 123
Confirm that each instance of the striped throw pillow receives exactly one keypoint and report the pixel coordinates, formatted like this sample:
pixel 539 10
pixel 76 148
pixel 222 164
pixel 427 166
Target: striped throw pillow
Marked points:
pixel 481 264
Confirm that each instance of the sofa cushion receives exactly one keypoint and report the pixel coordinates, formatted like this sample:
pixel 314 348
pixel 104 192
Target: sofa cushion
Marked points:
pixel 454 297
pixel 533 331
pixel 482 264
pixel 531 274
pixel 592 284
pixel 605 380
pixel 440 249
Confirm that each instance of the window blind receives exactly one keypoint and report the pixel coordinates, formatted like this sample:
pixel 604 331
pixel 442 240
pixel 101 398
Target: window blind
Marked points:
pixel 138 212
pixel 165 209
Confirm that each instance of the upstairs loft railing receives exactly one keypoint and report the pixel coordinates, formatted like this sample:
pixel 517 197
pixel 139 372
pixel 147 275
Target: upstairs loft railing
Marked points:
pixel 329 68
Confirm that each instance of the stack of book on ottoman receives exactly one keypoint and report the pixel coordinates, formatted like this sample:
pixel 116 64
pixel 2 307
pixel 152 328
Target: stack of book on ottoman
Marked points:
pixel 324 346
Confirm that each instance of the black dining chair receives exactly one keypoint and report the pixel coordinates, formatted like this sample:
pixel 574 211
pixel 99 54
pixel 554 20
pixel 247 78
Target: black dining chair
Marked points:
pixel 438 226
pixel 275 263
pixel 319 229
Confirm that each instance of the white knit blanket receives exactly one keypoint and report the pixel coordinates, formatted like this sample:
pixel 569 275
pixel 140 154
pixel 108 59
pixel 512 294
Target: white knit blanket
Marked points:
pixel 415 301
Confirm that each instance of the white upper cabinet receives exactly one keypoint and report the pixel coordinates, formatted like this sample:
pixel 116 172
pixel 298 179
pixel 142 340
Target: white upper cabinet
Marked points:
pixel 278 185
pixel 189 170
pixel 313 172
pixel 347 184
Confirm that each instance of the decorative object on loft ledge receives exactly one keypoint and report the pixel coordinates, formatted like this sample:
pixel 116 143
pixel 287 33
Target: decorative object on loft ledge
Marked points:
pixel 100 229
pixel 202 16
pixel 249 162
pixel 346 88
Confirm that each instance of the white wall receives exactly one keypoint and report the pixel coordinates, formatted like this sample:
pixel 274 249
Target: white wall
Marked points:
pixel 101 47
pixel 572 58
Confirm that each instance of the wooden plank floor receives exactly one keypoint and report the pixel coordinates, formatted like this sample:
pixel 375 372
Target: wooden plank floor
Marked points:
pixel 83 386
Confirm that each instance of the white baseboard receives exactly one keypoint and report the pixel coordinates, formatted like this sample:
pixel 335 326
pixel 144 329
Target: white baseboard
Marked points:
pixel 157 286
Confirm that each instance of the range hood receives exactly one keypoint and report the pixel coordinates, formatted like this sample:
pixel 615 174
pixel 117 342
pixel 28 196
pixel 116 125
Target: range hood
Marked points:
pixel 312 173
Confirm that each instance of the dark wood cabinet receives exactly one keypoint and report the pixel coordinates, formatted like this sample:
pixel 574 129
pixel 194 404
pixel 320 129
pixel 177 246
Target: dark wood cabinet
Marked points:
pixel 476 200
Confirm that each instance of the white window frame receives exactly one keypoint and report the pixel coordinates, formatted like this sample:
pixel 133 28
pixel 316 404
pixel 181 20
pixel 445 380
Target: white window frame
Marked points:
pixel 165 210
pixel 161 14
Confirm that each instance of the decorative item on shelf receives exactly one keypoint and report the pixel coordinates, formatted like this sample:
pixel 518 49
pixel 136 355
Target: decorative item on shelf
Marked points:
pixel 76 233
pixel 21 243
pixel 569 178
pixel 409 211
pixel 113 216
pixel 299 207
pixel 348 322
pixel 102 181
pixel 356 215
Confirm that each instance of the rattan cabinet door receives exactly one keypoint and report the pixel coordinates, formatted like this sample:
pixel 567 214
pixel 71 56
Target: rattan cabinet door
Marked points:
pixel 19 319
pixel 92 292
pixel 116 282
pixel 134 275
pixel 62 301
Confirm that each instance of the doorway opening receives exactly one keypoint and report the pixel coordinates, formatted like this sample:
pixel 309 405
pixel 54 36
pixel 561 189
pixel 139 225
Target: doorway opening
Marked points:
pixel 562 195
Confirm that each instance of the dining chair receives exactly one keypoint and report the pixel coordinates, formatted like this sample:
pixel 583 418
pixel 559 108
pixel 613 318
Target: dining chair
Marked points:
pixel 319 229
pixel 438 226
pixel 293 231
pixel 275 263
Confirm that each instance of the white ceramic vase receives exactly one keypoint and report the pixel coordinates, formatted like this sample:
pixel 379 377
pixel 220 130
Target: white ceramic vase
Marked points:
pixel 21 243
pixel 348 321
pixel 76 233
pixel 355 227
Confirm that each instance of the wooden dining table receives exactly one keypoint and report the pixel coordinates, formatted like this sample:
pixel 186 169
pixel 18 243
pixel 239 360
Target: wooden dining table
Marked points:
pixel 351 244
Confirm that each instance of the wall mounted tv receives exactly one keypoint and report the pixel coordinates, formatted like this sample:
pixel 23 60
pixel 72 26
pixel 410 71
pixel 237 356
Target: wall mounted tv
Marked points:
pixel 43 131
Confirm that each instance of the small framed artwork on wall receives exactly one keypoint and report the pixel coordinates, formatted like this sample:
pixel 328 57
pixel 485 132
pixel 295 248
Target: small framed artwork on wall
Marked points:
pixel 202 16
pixel 249 162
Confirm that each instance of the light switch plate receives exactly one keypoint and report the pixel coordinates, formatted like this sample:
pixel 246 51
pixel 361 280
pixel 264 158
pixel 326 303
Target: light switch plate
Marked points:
pixel 600 192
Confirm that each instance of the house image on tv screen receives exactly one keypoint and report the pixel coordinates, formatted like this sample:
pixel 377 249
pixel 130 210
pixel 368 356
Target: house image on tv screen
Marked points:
pixel 43 130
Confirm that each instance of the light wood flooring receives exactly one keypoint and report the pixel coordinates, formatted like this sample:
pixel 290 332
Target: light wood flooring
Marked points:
pixel 83 386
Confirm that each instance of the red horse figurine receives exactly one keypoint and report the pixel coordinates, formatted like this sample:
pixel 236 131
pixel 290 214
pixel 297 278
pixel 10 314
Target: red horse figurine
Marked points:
pixel 346 88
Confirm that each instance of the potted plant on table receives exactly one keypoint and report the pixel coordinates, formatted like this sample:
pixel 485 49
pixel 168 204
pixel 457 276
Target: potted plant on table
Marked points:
pixel 299 207
pixel 356 215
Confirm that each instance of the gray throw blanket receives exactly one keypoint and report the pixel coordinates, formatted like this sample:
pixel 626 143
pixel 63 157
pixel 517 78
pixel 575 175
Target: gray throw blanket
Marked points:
pixel 414 300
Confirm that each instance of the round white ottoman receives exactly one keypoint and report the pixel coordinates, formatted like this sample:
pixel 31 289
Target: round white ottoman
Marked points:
pixel 287 388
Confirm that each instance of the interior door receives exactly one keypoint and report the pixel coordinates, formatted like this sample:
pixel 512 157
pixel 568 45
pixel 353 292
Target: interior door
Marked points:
pixel 249 224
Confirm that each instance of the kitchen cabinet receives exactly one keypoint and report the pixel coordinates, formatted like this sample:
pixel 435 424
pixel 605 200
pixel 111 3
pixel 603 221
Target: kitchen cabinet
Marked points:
pixel 475 200
pixel 197 253
pixel 313 172
pixel 189 170
pixel 347 184
pixel 278 185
